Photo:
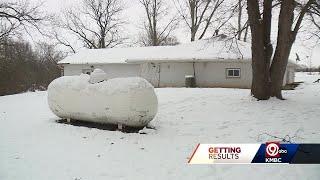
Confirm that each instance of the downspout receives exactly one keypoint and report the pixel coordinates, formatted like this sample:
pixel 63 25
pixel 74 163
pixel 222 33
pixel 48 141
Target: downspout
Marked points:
pixel 159 74
pixel 194 72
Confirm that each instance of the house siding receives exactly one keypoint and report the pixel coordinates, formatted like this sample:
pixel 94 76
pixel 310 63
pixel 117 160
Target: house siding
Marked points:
pixel 112 70
pixel 172 74
pixel 213 74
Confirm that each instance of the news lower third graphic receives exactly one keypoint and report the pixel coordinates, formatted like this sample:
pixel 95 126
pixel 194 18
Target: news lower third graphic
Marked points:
pixel 268 153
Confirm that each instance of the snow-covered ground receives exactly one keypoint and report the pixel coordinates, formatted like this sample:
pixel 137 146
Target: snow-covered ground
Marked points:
pixel 33 146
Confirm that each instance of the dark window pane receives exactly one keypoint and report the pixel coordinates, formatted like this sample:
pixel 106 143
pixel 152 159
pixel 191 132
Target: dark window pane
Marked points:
pixel 236 72
pixel 230 72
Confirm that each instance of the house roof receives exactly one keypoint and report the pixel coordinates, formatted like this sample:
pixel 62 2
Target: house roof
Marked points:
pixel 216 49
pixel 213 49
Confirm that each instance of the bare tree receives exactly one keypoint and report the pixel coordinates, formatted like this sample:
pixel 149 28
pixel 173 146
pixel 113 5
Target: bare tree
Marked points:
pixel 61 40
pixel 268 75
pixel 17 16
pixel 314 16
pixel 159 26
pixel 243 26
pixel 316 22
pixel 200 15
pixel 96 24
pixel 239 18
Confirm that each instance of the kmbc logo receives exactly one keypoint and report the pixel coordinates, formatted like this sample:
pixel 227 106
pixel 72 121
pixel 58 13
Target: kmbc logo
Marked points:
pixel 272 149
pixel 274 152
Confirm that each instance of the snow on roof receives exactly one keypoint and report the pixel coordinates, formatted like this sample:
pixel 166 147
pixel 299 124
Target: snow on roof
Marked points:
pixel 214 49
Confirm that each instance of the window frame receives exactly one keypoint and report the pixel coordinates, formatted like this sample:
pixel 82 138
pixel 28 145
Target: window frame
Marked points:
pixel 233 69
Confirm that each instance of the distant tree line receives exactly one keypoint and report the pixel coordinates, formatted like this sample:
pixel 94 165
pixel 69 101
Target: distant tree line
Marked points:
pixel 307 69
pixel 23 68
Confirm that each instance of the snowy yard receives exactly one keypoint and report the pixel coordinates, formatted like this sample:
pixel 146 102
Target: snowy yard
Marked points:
pixel 33 146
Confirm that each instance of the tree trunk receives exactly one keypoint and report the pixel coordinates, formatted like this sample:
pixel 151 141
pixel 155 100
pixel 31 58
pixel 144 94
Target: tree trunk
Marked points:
pixel 193 19
pixel 268 49
pixel 102 40
pixel 260 73
pixel 284 43
pixel 193 34
pixel 267 80
pixel 154 24
pixel 239 20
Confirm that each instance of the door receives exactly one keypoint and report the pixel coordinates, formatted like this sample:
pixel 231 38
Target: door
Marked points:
pixel 151 72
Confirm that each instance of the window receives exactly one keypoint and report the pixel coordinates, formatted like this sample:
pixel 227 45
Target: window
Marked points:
pixel 86 71
pixel 233 72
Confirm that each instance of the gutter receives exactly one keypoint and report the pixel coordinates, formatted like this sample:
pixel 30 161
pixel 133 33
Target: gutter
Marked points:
pixel 192 60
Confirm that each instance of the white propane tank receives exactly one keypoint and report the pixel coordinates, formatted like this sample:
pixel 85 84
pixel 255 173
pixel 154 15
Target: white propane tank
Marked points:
pixel 127 101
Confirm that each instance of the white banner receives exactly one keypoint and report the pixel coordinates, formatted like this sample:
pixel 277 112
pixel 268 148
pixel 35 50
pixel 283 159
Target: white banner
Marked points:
pixel 224 153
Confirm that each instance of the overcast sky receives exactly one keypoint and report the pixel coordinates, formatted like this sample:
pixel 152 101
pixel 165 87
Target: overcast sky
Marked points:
pixel 134 15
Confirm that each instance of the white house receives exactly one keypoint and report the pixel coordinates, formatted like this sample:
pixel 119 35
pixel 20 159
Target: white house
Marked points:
pixel 214 62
